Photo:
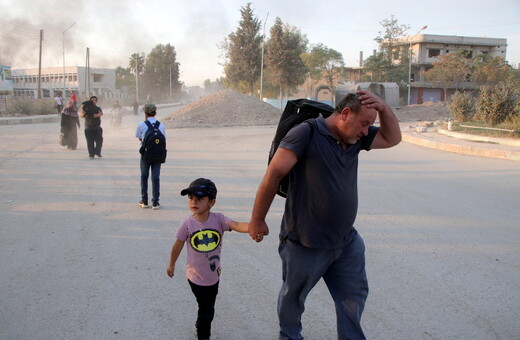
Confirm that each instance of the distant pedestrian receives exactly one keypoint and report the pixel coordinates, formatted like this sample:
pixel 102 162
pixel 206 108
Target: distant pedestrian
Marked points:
pixel 135 106
pixel 69 125
pixel 58 102
pixel 93 131
pixel 74 100
pixel 203 232
pixel 150 110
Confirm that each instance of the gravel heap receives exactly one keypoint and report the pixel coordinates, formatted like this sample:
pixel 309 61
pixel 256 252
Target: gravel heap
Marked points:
pixel 232 108
pixel 422 112
pixel 224 108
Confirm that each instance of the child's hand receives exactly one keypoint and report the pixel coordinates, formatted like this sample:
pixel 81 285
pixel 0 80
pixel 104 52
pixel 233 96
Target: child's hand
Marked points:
pixel 170 270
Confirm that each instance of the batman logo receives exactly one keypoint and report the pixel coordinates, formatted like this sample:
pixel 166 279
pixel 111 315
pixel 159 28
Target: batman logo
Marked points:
pixel 205 240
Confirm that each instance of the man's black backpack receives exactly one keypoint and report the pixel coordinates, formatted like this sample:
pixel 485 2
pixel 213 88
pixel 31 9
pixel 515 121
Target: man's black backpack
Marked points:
pixel 295 112
pixel 153 146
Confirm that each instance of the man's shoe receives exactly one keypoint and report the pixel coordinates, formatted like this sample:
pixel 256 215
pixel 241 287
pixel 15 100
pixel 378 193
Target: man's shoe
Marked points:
pixel 91 157
pixel 99 155
pixel 143 204
pixel 155 205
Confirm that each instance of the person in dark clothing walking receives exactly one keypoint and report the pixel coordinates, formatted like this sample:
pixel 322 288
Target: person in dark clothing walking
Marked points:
pixel 69 121
pixel 317 235
pixel 93 131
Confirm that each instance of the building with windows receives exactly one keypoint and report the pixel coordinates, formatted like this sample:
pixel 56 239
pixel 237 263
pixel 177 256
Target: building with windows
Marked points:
pixel 84 81
pixel 426 48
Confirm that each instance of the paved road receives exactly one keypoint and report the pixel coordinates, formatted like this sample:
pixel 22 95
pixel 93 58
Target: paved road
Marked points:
pixel 80 260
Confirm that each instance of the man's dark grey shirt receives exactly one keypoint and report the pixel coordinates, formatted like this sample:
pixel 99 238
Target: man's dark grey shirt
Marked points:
pixel 322 199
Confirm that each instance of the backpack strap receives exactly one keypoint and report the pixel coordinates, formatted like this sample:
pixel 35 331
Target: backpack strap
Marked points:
pixel 313 126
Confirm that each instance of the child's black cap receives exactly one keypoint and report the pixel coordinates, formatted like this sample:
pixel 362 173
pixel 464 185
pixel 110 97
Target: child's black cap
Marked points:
pixel 201 187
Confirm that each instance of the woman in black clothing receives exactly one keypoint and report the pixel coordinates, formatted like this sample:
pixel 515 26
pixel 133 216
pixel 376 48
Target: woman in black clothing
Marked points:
pixel 69 125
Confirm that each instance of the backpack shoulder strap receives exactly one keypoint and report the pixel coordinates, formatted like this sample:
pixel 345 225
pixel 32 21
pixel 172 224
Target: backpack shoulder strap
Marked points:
pixel 150 126
pixel 313 126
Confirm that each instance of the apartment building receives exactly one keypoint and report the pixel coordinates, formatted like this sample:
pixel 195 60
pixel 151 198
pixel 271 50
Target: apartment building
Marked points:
pixel 84 81
pixel 426 49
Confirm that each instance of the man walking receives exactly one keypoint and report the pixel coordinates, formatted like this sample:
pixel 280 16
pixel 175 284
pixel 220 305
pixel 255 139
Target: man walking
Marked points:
pixel 317 236
pixel 74 99
pixel 150 110
pixel 93 131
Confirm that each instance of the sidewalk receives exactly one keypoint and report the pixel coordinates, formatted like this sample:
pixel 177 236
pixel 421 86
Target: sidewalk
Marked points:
pixel 466 144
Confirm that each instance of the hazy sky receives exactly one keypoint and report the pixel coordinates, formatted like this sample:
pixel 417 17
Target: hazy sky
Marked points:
pixel 114 29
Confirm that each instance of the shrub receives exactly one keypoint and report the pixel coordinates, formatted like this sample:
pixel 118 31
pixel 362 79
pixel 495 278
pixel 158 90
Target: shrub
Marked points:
pixel 461 106
pixel 29 107
pixel 496 104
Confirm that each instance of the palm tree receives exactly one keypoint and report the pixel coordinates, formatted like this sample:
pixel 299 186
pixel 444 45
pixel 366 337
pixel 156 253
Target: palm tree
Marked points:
pixel 136 64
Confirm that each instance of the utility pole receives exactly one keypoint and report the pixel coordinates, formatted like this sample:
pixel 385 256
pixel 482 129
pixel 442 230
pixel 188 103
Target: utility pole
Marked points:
pixel 262 62
pixel 63 46
pixel 87 75
pixel 40 67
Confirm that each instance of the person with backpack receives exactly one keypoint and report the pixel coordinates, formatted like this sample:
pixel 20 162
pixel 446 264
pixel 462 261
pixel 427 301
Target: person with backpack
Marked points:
pixel 317 234
pixel 152 135
pixel 93 131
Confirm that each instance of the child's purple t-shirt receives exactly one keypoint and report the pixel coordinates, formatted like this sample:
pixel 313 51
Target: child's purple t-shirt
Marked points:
pixel 204 243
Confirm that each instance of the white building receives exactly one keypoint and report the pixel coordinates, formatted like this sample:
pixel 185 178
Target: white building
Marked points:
pixel 85 82
pixel 426 48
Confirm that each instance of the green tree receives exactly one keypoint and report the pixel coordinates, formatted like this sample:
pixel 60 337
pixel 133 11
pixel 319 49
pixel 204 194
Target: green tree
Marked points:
pixel 376 67
pixel 496 104
pixel 285 66
pixel 388 39
pixel 462 106
pixel 490 70
pixel 124 78
pixel 450 70
pixel 215 86
pixel 390 64
pixel 161 62
pixel 324 63
pixel 242 52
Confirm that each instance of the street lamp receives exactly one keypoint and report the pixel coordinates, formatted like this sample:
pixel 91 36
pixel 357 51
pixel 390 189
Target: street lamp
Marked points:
pixel 262 63
pixel 410 61
pixel 64 56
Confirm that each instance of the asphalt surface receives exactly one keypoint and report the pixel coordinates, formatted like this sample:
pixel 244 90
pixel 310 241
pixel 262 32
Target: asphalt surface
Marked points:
pixel 80 260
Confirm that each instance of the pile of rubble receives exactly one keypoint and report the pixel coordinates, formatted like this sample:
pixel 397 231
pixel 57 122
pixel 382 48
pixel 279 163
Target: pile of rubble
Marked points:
pixel 224 108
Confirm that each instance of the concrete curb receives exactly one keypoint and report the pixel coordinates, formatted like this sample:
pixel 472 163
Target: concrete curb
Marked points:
pixel 467 136
pixel 30 119
pixel 462 149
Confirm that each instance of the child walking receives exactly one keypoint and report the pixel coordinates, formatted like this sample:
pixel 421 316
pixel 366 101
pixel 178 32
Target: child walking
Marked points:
pixel 203 233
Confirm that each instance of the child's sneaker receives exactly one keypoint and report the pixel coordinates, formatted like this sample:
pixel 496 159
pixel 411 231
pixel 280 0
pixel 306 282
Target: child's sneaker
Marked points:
pixel 143 204
pixel 155 205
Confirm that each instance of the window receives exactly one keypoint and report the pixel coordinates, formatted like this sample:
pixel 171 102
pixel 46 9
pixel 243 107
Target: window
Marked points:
pixel 97 78
pixel 433 52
